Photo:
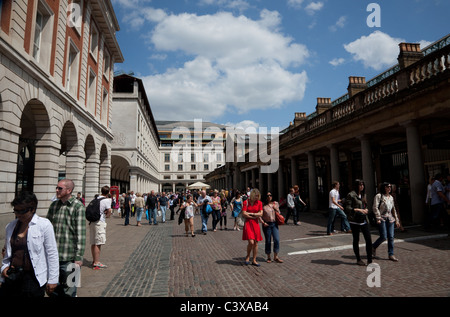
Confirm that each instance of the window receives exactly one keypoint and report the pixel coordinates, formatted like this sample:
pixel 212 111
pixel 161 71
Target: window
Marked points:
pixel 106 63
pixel 180 167
pixel 167 157
pixel 92 88
pixel 218 157
pixel 43 35
pixel 72 69
pixel 206 167
pixel 94 42
pixel 167 167
pixel 104 114
pixel 193 167
pixel 205 157
pixel 166 176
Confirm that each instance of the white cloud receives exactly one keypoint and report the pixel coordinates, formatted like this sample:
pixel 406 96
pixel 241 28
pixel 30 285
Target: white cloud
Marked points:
pixel 296 4
pixel 233 64
pixel 313 7
pixel 377 50
pixel 337 61
pixel 244 125
pixel 340 23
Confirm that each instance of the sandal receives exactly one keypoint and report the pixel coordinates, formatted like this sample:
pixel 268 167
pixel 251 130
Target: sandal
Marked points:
pixel 269 260
pixel 279 260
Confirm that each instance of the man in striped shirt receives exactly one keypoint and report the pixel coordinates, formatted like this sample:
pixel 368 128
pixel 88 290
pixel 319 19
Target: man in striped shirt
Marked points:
pixel 67 215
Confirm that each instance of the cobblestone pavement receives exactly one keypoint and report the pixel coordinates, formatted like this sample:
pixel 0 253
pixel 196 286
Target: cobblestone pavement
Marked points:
pixel 160 261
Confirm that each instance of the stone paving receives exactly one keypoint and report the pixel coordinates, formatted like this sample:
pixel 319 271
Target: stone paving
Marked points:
pixel 160 261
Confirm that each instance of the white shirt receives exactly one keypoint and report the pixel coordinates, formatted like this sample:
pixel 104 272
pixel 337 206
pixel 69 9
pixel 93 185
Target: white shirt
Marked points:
pixel 42 248
pixel 104 205
pixel 334 193
pixel 290 201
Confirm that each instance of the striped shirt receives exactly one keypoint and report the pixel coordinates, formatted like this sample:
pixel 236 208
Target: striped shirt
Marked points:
pixel 69 222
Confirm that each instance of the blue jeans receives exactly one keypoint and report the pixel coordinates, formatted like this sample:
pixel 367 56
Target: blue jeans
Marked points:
pixel 386 229
pixel 332 213
pixel 216 218
pixel 152 214
pixel 163 213
pixel 205 218
pixel 269 232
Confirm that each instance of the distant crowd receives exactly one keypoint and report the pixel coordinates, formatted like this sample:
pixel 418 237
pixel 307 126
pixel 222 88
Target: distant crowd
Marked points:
pixel 43 255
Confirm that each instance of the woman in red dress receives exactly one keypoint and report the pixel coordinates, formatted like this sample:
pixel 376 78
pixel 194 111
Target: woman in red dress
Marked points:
pixel 252 211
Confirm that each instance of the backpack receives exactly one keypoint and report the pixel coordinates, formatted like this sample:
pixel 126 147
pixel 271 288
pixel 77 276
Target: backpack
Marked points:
pixel 93 210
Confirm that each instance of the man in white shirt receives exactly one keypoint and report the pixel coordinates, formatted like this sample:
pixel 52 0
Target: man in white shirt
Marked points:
pixel 98 229
pixel 291 206
pixel 336 209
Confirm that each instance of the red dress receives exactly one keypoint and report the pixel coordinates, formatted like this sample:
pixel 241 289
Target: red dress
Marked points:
pixel 251 229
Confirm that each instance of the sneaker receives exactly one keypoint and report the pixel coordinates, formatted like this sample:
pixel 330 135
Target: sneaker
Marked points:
pixel 99 266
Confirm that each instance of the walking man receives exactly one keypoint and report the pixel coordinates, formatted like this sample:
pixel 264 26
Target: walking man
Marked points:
pixel 67 215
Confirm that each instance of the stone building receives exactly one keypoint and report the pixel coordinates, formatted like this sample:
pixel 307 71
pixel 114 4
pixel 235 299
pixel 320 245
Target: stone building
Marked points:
pixel 188 151
pixel 56 80
pixel 135 148
pixel 394 127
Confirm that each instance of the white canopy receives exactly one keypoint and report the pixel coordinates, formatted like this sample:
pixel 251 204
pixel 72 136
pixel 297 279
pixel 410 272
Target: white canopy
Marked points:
pixel 198 185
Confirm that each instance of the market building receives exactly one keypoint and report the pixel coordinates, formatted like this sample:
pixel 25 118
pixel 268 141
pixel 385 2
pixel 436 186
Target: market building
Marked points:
pixel 391 128
pixel 56 81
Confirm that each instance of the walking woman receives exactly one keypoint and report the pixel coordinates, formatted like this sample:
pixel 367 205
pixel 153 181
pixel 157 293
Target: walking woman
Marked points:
pixel 236 207
pixel 223 213
pixel 252 210
pixel 30 267
pixel 356 210
pixel 270 228
pixel 386 215
pixel 188 208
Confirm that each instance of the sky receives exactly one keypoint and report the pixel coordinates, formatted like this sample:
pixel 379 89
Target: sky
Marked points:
pixel 255 63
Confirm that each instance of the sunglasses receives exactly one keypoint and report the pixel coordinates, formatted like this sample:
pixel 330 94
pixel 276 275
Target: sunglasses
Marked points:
pixel 59 188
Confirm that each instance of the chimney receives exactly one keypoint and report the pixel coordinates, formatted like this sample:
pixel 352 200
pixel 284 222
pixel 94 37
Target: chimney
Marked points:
pixel 356 85
pixel 300 117
pixel 409 54
pixel 323 104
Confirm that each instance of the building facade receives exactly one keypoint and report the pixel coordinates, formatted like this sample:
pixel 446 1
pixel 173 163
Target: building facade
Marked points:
pixel 392 128
pixel 56 79
pixel 135 149
pixel 188 151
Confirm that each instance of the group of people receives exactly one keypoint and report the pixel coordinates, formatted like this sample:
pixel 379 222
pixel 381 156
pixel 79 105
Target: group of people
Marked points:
pixel 44 254
pixel 41 254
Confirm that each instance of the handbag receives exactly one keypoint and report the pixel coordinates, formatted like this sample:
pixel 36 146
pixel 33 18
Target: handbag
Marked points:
pixel 208 209
pixel 279 218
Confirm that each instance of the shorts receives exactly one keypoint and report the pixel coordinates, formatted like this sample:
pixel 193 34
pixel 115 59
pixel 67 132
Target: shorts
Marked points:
pixel 97 232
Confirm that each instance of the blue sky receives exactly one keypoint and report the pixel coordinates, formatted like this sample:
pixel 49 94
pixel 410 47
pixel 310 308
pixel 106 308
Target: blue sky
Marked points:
pixel 257 62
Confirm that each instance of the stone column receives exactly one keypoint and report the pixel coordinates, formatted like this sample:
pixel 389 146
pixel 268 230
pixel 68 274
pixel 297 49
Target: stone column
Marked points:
pixel 262 184
pixel 46 173
pixel 253 177
pixel 92 179
pixel 334 162
pixel 294 171
pixel 312 177
pixel 367 169
pixel 280 174
pixel 416 172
